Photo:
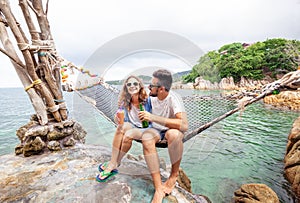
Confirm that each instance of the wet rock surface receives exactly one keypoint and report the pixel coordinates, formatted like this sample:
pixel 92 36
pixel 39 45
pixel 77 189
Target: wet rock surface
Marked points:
pixel 69 175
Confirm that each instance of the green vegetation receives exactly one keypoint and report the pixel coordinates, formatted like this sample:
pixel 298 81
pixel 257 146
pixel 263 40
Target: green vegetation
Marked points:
pixel 271 57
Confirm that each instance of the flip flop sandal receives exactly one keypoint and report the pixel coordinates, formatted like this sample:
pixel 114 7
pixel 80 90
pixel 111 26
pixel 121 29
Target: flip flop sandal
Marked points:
pixel 107 176
pixel 103 166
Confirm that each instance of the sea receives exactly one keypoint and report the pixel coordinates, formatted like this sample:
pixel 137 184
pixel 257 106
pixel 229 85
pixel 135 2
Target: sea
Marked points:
pixel 241 149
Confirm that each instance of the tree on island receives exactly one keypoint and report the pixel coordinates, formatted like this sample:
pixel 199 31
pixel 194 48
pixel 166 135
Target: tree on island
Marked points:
pixel 252 61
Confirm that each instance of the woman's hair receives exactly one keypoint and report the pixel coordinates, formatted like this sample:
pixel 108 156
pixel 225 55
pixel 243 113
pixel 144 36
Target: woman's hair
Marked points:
pixel 125 97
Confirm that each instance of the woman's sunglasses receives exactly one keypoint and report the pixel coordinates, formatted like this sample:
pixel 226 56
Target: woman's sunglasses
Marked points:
pixel 129 84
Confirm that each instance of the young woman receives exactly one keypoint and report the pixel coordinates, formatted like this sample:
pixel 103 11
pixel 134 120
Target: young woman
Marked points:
pixel 133 94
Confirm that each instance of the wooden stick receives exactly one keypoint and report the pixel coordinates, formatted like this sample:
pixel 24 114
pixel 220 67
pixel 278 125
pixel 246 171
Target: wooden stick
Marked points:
pixel 35 99
pixel 5 9
pixel 44 63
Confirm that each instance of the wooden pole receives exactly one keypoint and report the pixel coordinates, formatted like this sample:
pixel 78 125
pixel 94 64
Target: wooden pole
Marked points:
pixel 43 58
pixel 36 101
pixel 30 65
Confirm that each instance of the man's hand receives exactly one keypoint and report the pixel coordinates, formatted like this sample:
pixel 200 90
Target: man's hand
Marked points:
pixel 145 116
pixel 179 122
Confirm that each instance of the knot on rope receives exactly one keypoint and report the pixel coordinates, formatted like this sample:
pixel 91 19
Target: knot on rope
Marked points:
pixel 43 43
pixel 36 82
pixel 23 46
pixel 36 45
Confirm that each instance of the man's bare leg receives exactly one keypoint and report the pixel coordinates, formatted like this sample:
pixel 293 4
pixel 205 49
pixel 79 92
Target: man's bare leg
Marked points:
pixel 175 148
pixel 152 161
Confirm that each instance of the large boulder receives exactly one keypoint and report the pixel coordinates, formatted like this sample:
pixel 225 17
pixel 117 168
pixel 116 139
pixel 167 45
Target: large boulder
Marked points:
pixel 227 84
pixel 255 193
pixel 292 158
pixel 203 84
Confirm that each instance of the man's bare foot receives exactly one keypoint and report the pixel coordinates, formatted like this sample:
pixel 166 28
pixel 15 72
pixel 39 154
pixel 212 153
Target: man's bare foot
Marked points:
pixel 169 185
pixel 158 196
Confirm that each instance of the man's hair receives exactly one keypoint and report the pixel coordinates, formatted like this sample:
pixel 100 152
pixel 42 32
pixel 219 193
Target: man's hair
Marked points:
pixel 164 78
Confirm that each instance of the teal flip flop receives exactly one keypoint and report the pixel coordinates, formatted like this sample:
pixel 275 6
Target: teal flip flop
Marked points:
pixel 107 176
pixel 103 166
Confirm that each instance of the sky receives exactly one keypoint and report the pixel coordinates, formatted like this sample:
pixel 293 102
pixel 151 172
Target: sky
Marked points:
pixel 114 38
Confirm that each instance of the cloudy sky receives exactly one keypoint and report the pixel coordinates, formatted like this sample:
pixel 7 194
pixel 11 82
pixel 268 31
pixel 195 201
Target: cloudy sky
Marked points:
pixel 85 30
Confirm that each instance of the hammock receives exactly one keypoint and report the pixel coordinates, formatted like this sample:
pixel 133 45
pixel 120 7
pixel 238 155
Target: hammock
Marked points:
pixel 202 111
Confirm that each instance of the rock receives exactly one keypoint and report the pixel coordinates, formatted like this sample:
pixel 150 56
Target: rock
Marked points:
pixel 79 133
pixel 292 158
pixel 55 135
pixel 202 84
pixel 69 142
pixel 36 139
pixel 22 130
pixel 67 130
pixel 33 147
pixel 180 85
pixel 184 181
pixel 227 84
pixel 255 193
pixel 285 100
pixel 54 146
pixel 69 176
pixel 68 123
pixel 19 149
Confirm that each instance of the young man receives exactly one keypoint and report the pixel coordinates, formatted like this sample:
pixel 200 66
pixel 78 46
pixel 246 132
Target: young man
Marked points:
pixel 169 121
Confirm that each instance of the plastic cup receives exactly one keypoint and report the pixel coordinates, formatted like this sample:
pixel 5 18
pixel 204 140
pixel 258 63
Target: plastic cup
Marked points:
pixel 120 115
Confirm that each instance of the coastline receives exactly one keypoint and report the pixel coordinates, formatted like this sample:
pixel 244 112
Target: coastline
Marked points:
pixel 69 175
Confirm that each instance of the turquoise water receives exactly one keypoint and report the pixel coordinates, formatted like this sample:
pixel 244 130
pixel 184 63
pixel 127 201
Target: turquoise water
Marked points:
pixel 238 150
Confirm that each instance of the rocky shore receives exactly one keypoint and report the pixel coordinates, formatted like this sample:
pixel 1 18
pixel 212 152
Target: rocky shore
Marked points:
pixel 69 175
pixel 284 99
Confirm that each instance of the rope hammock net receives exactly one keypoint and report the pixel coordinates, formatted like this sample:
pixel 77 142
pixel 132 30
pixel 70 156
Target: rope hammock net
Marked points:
pixel 202 111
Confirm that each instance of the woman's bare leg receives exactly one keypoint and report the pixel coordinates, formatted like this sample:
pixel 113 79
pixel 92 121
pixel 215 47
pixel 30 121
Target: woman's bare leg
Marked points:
pixel 129 136
pixel 117 145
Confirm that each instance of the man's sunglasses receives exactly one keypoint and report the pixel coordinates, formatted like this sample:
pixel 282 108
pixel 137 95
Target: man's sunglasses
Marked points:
pixel 151 85
pixel 129 84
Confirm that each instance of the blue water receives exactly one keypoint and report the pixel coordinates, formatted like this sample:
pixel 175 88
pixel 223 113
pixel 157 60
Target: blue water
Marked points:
pixel 238 150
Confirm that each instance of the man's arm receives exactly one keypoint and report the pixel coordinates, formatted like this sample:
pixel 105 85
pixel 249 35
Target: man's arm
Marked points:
pixel 180 122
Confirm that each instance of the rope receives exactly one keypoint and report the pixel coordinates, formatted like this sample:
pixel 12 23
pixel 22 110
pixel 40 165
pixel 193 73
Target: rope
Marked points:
pixel 59 100
pixel 36 82
pixel 62 106
pixel 33 47
pixel 53 108
pixel 81 69
pixel 202 111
